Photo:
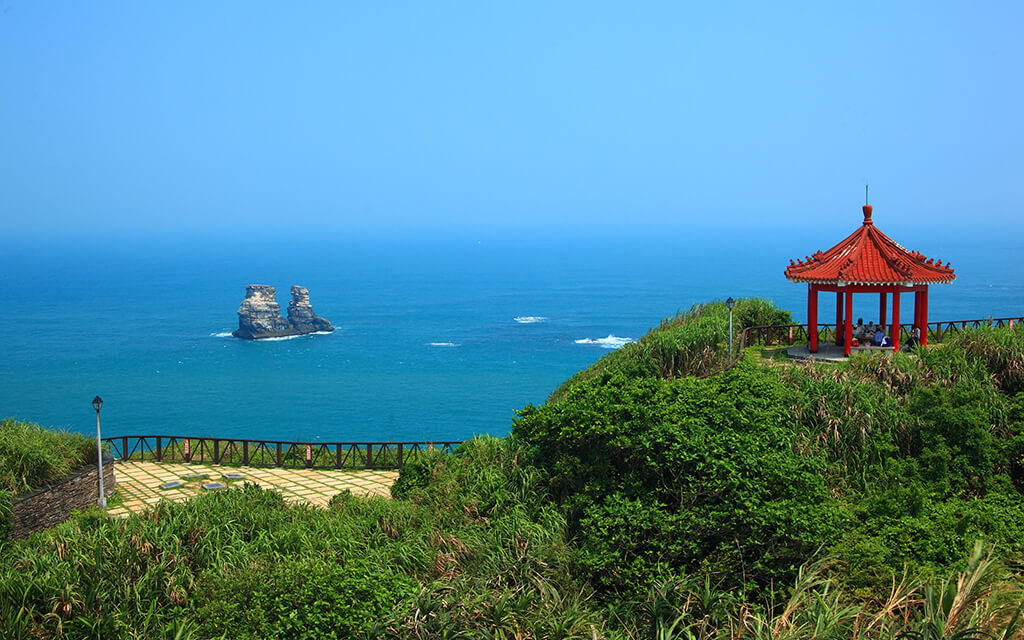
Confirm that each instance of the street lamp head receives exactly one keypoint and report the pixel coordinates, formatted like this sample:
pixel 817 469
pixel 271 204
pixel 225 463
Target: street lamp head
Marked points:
pixel 729 302
pixel 97 402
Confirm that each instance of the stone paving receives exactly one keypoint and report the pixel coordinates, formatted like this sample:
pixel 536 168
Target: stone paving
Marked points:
pixel 139 483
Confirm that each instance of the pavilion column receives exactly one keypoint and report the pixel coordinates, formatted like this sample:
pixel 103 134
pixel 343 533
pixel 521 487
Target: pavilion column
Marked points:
pixel 924 317
pixel 881 311
pixel 839 316
pixel 895 334
pixel 848 325
pixel 812 317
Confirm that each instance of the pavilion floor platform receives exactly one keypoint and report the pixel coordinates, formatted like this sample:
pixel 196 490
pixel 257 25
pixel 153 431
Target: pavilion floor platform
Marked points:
pixel 830 352
pixel 827 352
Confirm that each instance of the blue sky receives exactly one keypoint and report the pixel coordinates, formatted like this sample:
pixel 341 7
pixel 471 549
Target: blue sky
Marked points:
pixel 149 117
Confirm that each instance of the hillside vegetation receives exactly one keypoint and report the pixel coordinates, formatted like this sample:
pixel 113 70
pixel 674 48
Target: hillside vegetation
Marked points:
pixel 878 498
pixel 32 456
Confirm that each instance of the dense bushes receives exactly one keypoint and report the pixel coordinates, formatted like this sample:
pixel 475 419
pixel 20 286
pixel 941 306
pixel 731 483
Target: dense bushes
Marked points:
pixel 31 456
pixel 885 461
pixel 688 475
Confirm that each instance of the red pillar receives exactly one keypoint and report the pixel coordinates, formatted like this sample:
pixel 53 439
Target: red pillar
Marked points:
pixel 839 316
pixel 924 317
pixel 848 325
pixel 895 335
pixel 881 311
pixel 812 318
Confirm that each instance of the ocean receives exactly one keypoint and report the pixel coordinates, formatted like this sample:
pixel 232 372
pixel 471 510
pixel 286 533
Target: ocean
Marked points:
pixel 439 336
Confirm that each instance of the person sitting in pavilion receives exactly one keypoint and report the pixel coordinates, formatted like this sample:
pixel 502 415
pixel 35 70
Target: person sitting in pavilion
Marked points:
pixel 880 339
pixel 915 338
pixel 859 328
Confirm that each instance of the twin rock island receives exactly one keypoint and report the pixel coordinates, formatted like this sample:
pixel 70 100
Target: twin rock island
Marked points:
pixel 259 316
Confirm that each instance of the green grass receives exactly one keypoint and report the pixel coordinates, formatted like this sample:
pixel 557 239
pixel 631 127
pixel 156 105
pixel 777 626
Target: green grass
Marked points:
pixel 32 456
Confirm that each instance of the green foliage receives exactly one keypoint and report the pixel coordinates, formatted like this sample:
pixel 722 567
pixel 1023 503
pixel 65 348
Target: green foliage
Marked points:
pixel 6 504
pixel 925 452
pixel 243 563
pixel 303 597
pixel 31 455
pixel 887 460
pixel 694 474
pixel 417 473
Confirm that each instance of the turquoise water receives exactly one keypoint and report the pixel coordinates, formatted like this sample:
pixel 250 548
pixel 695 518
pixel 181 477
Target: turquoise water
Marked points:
pixel 428 344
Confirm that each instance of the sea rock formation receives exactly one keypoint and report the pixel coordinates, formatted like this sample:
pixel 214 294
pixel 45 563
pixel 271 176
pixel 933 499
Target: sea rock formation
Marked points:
pixel 259 315
pixel 300 313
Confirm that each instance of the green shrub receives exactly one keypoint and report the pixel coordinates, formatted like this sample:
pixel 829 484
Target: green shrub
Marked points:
pixel 6 504
pixel 31 456
pixel 693 474
pixel 307 596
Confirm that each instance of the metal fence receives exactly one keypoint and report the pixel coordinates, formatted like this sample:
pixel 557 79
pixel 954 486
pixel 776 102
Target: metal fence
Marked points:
pixel 275 453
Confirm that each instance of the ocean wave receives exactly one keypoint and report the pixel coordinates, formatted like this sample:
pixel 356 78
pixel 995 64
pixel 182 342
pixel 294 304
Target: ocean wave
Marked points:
pixel 301 335
pixel 443 344
pixel 611 342
pixel 221 334
pixel 530 319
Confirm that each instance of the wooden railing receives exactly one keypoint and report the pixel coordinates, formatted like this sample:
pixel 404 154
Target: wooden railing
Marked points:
pixel 789 334
pixel 276 453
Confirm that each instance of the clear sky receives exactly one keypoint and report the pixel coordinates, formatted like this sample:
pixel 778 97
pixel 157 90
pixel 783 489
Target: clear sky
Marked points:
pixel 155 116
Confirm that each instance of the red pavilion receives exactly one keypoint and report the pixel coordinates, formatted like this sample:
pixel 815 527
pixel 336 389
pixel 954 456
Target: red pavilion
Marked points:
pixel 868 261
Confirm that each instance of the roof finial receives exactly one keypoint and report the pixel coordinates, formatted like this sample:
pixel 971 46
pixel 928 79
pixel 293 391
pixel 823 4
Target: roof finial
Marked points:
pixel 865 194
pixel 867 207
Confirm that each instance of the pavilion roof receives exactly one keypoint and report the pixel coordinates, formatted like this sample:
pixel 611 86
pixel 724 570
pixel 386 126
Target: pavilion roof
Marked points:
pixel 868 256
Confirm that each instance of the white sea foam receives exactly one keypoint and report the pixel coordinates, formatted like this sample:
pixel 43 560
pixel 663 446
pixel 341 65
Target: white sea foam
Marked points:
pixel 611 342
pixel 315 333
pixel 443 344
pixel 530 319
pixel 221 334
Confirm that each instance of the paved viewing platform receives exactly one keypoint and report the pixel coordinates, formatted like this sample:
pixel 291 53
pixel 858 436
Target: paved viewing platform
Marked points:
pixel 826 352
pixel 143 484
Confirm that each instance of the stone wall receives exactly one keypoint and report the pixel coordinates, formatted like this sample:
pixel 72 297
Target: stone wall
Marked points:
pixel 36 511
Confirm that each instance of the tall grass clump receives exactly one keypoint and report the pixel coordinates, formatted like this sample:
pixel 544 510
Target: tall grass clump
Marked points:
pixel 31 455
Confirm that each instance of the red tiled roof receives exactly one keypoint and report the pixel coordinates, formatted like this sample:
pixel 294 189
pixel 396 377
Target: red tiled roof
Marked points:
pixel 868 256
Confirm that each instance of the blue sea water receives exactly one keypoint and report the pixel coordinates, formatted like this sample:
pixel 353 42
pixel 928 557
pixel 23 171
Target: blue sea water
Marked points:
pixel 440 335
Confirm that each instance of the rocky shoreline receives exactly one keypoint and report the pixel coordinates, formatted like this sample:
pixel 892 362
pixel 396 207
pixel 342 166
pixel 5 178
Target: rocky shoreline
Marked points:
pixel 259 315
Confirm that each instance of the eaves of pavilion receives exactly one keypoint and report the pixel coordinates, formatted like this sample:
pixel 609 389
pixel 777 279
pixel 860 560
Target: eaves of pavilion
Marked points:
pixel 868 261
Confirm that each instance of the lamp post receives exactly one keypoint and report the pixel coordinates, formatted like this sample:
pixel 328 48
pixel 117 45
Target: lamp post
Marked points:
pixel 97 403
pixel 729 303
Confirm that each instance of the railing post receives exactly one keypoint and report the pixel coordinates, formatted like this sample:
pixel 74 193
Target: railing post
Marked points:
pixel 400 452
pixel 124 448
pixel 216 451
pixel 159 449
pixel 245 453
pixel 279 454
pixel 369 455
pixel 309 456
pixel 337 455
